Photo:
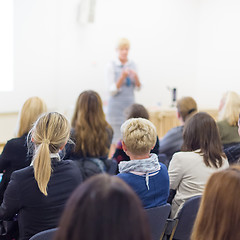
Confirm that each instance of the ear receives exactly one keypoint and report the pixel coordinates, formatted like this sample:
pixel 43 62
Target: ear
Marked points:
pixel 124 146
pixel 178 114
pixel 32 139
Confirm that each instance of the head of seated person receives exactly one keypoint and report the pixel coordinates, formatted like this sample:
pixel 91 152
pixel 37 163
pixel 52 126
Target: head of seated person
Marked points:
pixel 103 208
pixel 133 111
pixel 138 137
pixel 229 108
pixel 219 213
pixel 49 135
pixel 31 110
pixel 91 132
pixel 136 111
pixel 186 107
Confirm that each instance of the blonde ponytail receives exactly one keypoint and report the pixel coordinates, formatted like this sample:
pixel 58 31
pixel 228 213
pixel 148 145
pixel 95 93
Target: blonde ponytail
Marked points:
pixel 50 132
pixel 42 169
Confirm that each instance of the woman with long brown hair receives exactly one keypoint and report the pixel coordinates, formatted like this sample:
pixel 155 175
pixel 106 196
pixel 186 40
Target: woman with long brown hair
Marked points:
pixel 219 213
pixel 201 155
pixel 91 133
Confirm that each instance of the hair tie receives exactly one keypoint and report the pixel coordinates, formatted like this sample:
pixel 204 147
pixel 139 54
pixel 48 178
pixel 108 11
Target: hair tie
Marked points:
pixel 191 110
pixel 46 141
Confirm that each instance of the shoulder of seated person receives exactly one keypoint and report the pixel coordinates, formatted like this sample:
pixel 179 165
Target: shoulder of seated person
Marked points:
pixel 21 173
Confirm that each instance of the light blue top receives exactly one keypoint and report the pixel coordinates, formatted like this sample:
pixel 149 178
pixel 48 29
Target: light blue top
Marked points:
pixel 121 98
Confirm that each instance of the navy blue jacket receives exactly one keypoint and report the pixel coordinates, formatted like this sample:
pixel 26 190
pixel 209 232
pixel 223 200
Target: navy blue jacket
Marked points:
pixel 158 191
pixel 14 157
pixel 37 212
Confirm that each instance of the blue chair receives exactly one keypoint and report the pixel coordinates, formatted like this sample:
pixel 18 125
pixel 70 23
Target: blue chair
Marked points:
pixel 180 228
pixel 44 235
pixel 157 218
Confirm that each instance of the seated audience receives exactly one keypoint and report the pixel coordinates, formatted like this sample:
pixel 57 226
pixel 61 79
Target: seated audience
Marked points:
pixel 148 178
pixel 91 134
pixel 133 111
pixel 15 154
pixel 201 155
pixel 103 208
pixel 229 110
pixel 37 194
pixel 219 213
pixel 173 140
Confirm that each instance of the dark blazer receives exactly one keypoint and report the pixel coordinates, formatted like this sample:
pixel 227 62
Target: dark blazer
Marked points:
pixel 233 153
pixel 14 157
pixel 37 212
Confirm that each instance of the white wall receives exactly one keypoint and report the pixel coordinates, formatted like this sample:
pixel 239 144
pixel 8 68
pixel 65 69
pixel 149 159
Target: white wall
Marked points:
pixel 163 38
pixel 188 44
pixel 218 50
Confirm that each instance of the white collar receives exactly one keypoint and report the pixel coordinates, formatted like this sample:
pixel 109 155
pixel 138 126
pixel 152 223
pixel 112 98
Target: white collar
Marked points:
pixel 52 155
pixel 55 155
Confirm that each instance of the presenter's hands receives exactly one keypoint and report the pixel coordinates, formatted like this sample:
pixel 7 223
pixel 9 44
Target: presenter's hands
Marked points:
pixel 128 72
pixel 124 74
pixel 134 75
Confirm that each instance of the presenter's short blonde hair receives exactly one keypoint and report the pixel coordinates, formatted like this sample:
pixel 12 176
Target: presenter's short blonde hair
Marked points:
pixel 139 135
pixel 123 43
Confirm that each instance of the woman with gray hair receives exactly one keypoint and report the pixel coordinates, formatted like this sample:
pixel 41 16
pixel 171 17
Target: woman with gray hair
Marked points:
pixel 147 177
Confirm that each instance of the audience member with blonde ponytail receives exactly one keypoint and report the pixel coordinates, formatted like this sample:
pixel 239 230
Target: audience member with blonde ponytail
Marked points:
pixel 15 154
pixel 37 194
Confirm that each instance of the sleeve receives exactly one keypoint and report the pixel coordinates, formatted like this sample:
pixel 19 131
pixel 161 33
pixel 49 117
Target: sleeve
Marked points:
pixel 11 201
pixel 175 172
pixel 110 79
pixel 166 143
pixel 5 156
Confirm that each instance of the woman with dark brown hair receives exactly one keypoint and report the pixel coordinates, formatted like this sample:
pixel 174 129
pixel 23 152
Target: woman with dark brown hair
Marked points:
pixel 91 133
pixel 201 155
pixel 103 208
pixel 219 213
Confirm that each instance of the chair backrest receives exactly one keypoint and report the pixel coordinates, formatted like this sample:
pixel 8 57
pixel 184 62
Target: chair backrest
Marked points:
pixel 186 218
pixel 157 218
pixel 44 235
